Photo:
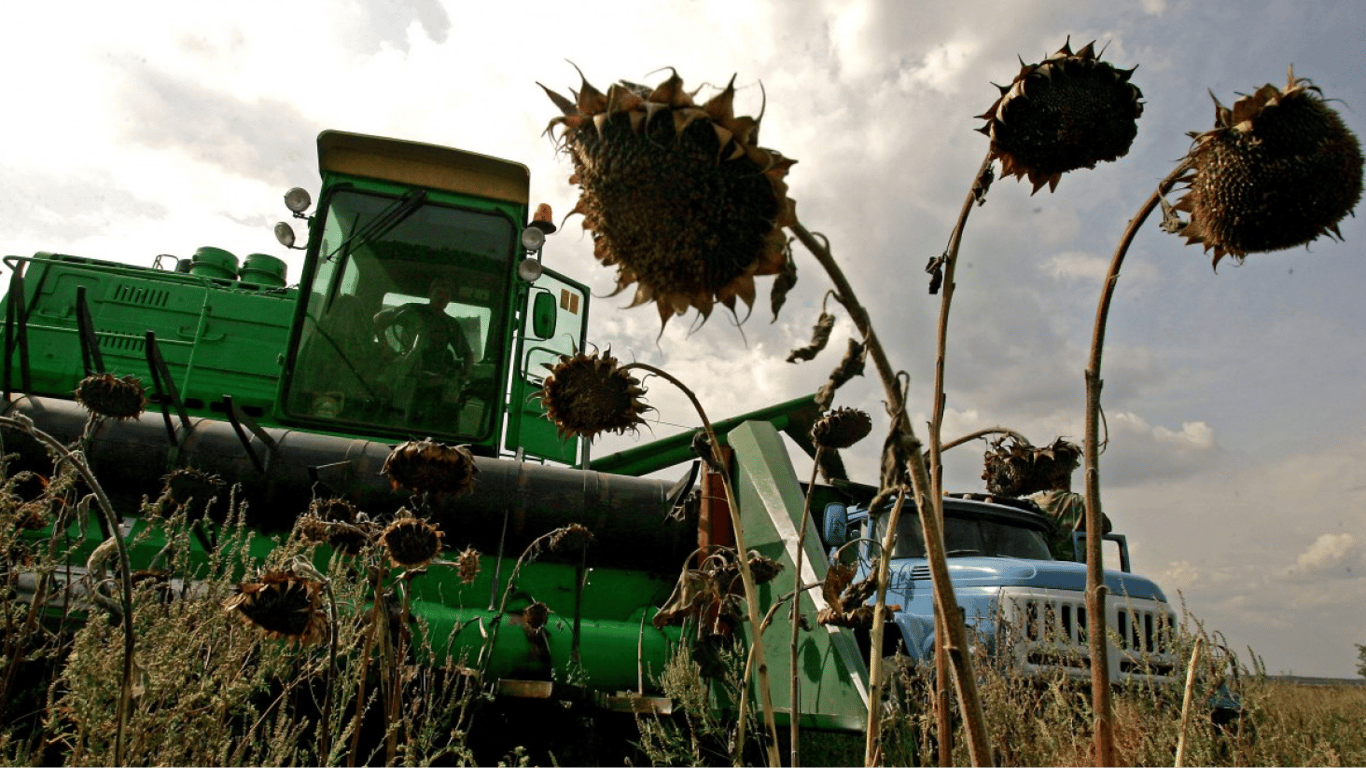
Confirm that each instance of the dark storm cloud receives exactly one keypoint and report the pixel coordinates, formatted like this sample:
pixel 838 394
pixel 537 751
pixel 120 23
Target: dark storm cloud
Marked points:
pixel 258 139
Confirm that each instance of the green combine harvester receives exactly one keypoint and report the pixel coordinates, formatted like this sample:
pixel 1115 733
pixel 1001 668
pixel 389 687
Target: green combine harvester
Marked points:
pixel 423 311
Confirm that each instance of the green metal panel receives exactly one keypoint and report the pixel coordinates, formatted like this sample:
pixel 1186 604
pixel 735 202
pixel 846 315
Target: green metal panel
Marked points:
pixel 793 417
pixel 832 674
pixel 216 339
pixel 528 427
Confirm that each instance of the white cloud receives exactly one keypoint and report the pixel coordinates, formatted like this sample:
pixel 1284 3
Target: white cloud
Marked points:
pixel 1332 555
pixel 1077 267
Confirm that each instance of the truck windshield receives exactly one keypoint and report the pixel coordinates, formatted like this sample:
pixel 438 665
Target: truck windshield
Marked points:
pixel 405 315
pixel 968 536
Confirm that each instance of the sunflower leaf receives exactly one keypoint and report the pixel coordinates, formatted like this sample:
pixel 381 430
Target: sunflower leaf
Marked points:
pixel 820 337
pixel 783 283
pixel 852 365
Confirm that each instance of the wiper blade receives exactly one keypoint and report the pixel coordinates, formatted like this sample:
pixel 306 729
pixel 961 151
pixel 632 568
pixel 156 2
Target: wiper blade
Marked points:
pixel 382 224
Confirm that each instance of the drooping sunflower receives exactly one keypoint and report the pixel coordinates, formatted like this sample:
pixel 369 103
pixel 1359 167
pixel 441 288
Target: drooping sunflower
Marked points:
pixel 1017 468
pixel 841 428
pixel 284 605
pixel 193 490
pixel 572 538
pixel 339 523
pixel 1278 170
pixel 587 395
pixel 411 542
pixel 1069 111
pixel 425 466
pixel 111 396
pixel 679 196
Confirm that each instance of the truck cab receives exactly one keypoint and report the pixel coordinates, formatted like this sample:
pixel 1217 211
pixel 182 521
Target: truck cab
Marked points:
pixel 1028 609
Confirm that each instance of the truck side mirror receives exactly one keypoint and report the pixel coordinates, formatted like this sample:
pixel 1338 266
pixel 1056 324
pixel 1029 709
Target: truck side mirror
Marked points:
pixel 544 312
pixel 836 525
pixel 1122 541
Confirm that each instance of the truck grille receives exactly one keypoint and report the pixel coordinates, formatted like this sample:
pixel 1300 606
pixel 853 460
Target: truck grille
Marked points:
pixel 1046 629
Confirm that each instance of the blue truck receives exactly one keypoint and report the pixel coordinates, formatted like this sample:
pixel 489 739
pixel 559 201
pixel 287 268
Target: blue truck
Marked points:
pixel 1026 607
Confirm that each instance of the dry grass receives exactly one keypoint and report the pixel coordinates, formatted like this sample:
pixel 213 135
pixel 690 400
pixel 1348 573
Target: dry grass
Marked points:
pixel 211 690
pixel 1048 723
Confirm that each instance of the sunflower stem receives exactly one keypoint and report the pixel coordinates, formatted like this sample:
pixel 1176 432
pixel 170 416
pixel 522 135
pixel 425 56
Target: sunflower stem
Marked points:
pixel 1095 576
pixel 746 576
pixel 983 433
pixel 794 694
pixel 956 636
pixel 941 661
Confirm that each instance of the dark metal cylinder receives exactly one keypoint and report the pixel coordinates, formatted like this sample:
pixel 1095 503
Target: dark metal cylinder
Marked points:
pixel 629 516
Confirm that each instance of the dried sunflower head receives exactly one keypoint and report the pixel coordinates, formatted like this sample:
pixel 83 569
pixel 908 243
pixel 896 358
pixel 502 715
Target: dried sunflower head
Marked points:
pixel 1069 111
pixel 1277 171
pixel 586 395
pixel 112 397
pixel 425 466
pixel 338 523
pixel 841 428
pixel 284 605
pixel 678 196
pixel 190 488
pixel 334 510
pixel 535 616
pixel 571 538
pixel 467 565
pixel 411 542
pixel 1019 469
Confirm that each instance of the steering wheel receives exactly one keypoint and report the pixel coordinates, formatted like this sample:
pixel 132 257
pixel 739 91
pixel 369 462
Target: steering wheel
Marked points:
pixel 425 349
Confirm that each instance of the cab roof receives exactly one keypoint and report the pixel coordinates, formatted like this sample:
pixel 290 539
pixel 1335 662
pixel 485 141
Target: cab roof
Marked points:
pixel 423 165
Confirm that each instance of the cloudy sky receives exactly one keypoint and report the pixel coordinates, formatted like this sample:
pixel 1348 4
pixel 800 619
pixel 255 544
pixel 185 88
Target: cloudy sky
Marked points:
pixel 1234 399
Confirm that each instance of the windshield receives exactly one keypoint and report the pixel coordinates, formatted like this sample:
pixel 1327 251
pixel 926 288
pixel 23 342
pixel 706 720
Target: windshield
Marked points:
pixel 405 316
pixel 985 537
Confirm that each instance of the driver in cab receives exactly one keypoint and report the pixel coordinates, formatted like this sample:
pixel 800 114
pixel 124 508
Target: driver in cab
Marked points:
pixel 433 347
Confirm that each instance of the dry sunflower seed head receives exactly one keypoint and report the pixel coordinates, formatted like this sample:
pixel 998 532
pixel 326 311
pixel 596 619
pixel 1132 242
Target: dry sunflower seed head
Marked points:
pixel 346 537
pixel 586 395
pixel 334 510
pixel 841 428
pixel 1278 170
pixel 112 397
pixel 284 605
pixel 467 565
pixel 191 489
pixel 571 538
pixel 338 523
pixel 1020 469
pixel 679 196
pixel 1069 111
pixel 411 542
pixel 425 466
pixel 535 616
